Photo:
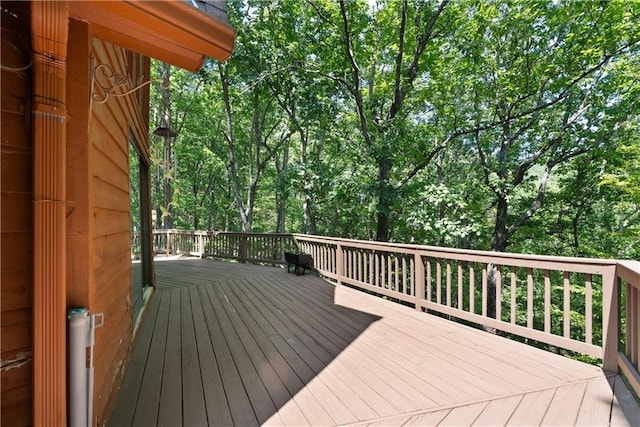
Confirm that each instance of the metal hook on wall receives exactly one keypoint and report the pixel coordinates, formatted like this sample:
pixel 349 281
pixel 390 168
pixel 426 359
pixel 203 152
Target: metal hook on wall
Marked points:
pixel 109 81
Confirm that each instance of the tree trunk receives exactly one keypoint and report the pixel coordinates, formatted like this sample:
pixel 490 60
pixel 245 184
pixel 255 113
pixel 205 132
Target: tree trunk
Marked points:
pixel 384 199
pixel 167 193
pixel 282 189
pixel 499 243
pixel 232 166
pixel 308 218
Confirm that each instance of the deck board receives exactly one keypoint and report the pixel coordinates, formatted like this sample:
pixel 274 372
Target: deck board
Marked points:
pixel 218 412
pixel 149 396
pixel 239 404
pixel 237 344
pixel 133 381
pixel 170 411
pixel 193 407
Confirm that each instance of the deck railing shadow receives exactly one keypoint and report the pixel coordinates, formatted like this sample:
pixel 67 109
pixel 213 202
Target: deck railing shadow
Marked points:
pixel 580 305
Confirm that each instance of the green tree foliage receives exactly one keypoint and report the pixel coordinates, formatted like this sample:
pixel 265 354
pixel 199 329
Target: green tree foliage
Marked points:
pixel 486 125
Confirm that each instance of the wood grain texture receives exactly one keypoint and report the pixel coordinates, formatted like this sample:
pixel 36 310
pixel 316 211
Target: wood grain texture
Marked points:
pixel 274 348
pixel 107 224
pixel 16 227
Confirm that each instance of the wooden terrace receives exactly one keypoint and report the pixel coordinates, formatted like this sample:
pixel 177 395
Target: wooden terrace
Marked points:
pixel 239 344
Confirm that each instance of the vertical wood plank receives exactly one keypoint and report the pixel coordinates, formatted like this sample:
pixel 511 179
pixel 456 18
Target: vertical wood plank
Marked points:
pixel 547 302
pixel 419 280
pixel 404 275
pixel 352 264
pixel 633 319
pixel 588 309
pixel 429 280
pixel 448 283
pixel 529 298
pixel 498 276
pixel 566 306
pixel 389 271
pixel 412 276
pixel 383 271
pixel 438 282
pixel 472 288
pixel 396 270
pixel 484 290
pixel 610 319
pixel 460 287
pixel 339 264
pixel 514 281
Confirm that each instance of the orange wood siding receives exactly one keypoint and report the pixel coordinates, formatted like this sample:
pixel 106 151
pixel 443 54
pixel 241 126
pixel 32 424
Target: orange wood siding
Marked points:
pixel 110 130
pixel 16 244
pixel 99 266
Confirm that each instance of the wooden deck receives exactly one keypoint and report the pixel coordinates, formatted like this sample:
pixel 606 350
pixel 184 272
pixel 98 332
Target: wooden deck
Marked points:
pixel 236 344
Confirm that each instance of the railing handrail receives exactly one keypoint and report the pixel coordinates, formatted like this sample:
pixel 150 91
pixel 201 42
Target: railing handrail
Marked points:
pixel 629 271
pixel 411 247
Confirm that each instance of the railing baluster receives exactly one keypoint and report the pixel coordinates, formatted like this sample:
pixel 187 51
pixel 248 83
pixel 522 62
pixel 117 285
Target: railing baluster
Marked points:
pixel 404 275
pixel 383 270
pixel 429 280
pixel 566 306
pixel 588 310
pixel 460 287
pixel 547 302
pixel 340 273
pixel 610 319
pixel 448 283
pixel 514 281
pixel 530 298
pixel 396 278
pixel 484 290
pixel 472 288
pixel 419 280
pixel 498 277
pixel 438 282
pixel 412 276
pixel 633 320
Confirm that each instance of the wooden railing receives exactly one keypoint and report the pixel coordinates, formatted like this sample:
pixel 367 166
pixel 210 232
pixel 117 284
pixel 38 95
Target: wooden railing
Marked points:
pixel 568 303
pixel 243 247
pixel 628 282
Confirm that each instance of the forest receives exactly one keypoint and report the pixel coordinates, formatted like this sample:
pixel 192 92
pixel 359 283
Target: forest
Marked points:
pixel 498 125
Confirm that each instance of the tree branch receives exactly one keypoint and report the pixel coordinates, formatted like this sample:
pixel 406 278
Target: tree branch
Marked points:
pixel 355 75
pixel 412 70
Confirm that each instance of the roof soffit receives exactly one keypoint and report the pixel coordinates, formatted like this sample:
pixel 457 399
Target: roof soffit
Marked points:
pixel 174 32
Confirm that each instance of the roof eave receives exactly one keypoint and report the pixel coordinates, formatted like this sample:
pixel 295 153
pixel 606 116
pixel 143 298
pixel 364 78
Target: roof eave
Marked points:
pixel 174 32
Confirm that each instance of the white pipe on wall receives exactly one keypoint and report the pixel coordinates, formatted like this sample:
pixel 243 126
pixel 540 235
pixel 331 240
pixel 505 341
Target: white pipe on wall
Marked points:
pixel 81 335
pixel 79 329
pixel 91 343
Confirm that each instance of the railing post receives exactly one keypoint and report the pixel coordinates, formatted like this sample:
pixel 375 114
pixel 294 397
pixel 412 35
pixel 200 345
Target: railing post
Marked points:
pixel 168 246
pixel 201 244
pixel 418 280
pixel 610 319
pixel 339 264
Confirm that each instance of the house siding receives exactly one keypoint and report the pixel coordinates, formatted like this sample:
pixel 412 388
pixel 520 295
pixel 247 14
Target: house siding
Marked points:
pixel 16 244
pixel 98 249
